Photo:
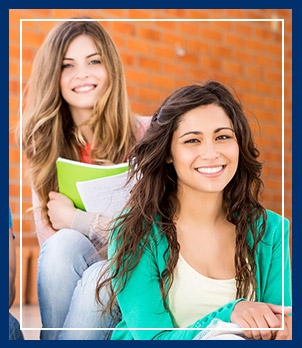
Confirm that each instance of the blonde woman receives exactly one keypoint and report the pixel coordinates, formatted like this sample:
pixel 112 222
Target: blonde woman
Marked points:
pixel 76 108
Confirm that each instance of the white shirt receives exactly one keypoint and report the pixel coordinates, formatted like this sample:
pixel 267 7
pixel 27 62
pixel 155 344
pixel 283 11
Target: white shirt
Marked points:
pixel 192 295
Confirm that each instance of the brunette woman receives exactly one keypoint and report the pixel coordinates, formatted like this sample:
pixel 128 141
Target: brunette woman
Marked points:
pixel 194 242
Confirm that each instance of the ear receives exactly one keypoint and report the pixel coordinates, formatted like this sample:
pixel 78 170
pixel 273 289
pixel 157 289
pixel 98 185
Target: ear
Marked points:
pixel 169 160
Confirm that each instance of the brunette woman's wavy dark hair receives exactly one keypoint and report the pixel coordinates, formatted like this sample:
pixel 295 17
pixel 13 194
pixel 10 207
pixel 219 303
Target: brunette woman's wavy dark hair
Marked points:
pixel 155 194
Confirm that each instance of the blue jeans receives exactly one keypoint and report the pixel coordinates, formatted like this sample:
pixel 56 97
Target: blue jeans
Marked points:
pixel 68 270
pixel 14 328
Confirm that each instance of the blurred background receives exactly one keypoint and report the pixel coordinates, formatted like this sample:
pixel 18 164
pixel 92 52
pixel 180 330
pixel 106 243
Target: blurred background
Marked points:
pixel 159 57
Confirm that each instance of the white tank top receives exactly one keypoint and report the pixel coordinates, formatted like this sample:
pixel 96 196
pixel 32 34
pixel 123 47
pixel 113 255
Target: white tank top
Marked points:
pixel 192 295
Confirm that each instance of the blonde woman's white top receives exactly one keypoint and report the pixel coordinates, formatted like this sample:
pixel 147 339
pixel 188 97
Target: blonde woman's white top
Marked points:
pixel 193 296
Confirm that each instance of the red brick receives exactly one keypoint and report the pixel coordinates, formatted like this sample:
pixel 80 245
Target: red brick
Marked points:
pixel 211 63
pixel 264 33
pixel 46 26
pixel 263 61
pixel 221 52
pixel 197 45
pixel 242 83
pixel 137 76
pixel 149 63
pixel 139 46
pixel 263 87
pixel 124 27
pixel 172 39
pixel 131 90
pixel 190 28
pixel 235 13
pixel 189 58
pixel 255 45
pixel 243 28
pixel 115 12
pixel 139 108
pixel 243 56
pixel 149 94
pixel 16 15
pixel 162 82
pixel 198 74
pixel 166 25
pixel 127 59
pixel 139 14
pixel 176 12
pixel 222 25
pixel 254 72
pixel 211 34
pixel 14 36
pixel 233 67
pixel 149 34
pixel 118 40
pixel 234 40
pixel 161 52
pixel 197 14
pixel 32 39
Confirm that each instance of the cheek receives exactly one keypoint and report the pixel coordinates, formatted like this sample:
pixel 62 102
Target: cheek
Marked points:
pixel 63 82
pixel 101 75
pixel 233 154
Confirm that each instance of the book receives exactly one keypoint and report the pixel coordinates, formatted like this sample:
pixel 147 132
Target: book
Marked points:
pixel 70 172
pixel 107 195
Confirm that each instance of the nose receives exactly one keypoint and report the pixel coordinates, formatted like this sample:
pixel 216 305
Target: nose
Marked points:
pixel 209 150
pixel 81 72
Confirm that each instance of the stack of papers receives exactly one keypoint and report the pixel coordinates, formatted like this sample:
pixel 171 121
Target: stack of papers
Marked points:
pixel 94 188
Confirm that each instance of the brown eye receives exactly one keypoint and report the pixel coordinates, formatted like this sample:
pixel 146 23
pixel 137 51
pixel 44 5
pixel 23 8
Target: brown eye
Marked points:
pixel 223 137
pixel 191 141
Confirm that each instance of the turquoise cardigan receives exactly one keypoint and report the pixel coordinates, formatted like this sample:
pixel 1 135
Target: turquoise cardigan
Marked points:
pixel 141 303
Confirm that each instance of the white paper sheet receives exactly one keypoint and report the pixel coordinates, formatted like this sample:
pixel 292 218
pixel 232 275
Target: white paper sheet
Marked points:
pixel 106 195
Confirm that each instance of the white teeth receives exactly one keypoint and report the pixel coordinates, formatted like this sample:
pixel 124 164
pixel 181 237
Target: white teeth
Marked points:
pixel 208 170
pixel 83 89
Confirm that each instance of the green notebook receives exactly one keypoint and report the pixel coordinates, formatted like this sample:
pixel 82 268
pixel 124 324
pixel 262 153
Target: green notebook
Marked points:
pixel 70 172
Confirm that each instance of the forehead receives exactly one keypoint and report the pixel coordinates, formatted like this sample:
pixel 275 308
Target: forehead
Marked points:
pixel 80 45
pixel 203 118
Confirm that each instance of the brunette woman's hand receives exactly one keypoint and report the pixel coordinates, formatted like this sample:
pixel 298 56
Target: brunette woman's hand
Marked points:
pixel 285 334
pixel 60 210
pixel 248 314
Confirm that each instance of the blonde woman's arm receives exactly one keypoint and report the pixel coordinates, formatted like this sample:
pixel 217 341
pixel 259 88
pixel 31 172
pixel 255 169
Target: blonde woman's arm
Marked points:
pixel 44 231
pixel 63 214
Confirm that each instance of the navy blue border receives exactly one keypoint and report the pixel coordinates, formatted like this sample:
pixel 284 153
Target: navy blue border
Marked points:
pixel 297 147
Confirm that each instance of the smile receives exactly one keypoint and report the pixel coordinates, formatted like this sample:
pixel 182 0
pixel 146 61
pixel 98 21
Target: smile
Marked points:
pixel 211 170
pixel 84 88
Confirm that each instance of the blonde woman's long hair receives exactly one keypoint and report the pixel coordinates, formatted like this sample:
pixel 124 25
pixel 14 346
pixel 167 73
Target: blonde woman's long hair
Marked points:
pixel 48 128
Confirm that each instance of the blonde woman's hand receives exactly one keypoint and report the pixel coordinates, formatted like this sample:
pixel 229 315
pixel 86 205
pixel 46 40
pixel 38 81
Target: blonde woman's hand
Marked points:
pixel 60 210
pixel 260 315
pixel 285 334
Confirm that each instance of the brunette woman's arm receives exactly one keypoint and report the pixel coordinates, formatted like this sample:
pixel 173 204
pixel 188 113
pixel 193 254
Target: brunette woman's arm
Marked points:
pixel 142 306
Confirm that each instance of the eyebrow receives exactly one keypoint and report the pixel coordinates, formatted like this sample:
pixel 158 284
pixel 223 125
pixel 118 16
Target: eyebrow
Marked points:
pixel 198 132
pixel 89 56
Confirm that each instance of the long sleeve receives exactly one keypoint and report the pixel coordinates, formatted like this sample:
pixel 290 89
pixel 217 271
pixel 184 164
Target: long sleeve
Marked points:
pixel 94 226
pixel 142 306
pixel 270 262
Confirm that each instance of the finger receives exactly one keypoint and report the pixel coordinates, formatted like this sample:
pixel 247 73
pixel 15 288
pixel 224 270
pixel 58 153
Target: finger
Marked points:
pixel 243 324
pixel 273 320
pixel 52 195
pixel 262 324
pixel 252 324
pixel 278 309
pixel 285 334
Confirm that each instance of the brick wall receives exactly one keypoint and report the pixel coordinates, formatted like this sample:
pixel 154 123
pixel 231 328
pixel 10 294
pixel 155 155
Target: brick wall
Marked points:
pixel 162 56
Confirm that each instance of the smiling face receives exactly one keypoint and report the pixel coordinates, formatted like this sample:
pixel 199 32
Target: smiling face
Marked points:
pixel 83 77
pixel 204 150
